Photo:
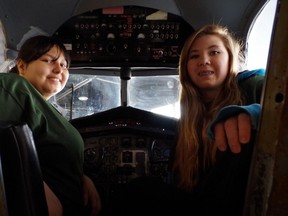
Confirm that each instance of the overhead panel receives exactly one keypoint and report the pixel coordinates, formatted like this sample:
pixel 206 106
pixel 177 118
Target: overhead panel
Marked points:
pixel 125 36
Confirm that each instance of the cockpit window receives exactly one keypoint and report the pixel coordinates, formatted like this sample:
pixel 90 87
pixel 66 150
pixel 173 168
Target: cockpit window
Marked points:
pixel 259 37
pixel 87 94
pixel 2 47
pixel 158 94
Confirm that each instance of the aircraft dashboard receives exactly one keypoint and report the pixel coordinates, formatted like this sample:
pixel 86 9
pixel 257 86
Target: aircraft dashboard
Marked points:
pixel 124 143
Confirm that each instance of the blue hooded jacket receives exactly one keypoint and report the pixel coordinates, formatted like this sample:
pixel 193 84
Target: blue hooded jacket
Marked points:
pixel 250 83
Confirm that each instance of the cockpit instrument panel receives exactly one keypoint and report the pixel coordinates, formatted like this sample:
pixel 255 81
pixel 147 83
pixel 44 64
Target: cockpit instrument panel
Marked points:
pixel 125 143
pixel 125 36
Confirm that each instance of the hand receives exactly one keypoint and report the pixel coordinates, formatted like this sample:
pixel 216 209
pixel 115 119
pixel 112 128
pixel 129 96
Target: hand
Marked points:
pixel 91 196
pixel 53 203
pixel 233 132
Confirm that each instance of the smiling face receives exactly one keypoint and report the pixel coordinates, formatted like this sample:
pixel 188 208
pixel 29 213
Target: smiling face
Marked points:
pixel 208 64
pixel 48 74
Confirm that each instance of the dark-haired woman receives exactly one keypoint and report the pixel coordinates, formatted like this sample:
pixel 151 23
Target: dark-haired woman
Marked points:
pixel 41 71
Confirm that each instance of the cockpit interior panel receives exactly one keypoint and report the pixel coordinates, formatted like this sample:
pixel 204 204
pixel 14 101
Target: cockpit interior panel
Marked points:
pixel 124 143
pixel 130 36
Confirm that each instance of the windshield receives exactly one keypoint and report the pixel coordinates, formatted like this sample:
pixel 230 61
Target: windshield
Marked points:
pixel 88 94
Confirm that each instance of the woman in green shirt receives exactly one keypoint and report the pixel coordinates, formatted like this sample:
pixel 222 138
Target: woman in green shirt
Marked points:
pixel 41 71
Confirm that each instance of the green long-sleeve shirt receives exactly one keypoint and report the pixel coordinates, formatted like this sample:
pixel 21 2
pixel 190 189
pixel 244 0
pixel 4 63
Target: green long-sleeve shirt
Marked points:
pixel 59 145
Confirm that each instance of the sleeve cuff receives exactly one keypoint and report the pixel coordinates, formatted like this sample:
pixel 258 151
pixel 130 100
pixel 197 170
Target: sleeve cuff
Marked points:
pixel 253 110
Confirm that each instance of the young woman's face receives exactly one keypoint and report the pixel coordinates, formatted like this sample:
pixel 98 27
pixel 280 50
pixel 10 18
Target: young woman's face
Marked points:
pixel 47 74
pixel 208 63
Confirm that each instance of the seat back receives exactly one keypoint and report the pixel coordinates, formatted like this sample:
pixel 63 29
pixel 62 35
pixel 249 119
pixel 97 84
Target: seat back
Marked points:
pixel 20 172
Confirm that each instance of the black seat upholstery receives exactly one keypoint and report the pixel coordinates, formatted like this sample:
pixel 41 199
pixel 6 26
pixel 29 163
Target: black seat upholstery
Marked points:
pixel 20 172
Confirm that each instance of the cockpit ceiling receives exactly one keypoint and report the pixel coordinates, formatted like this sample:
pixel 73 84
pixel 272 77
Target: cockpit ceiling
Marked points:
pixel 48 16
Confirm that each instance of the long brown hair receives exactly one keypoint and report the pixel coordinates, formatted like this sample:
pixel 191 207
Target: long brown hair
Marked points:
pixel 195 153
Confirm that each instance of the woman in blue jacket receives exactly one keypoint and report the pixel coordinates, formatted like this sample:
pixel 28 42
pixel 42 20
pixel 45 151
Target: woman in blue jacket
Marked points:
pixel 220 108
pixel 212 90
